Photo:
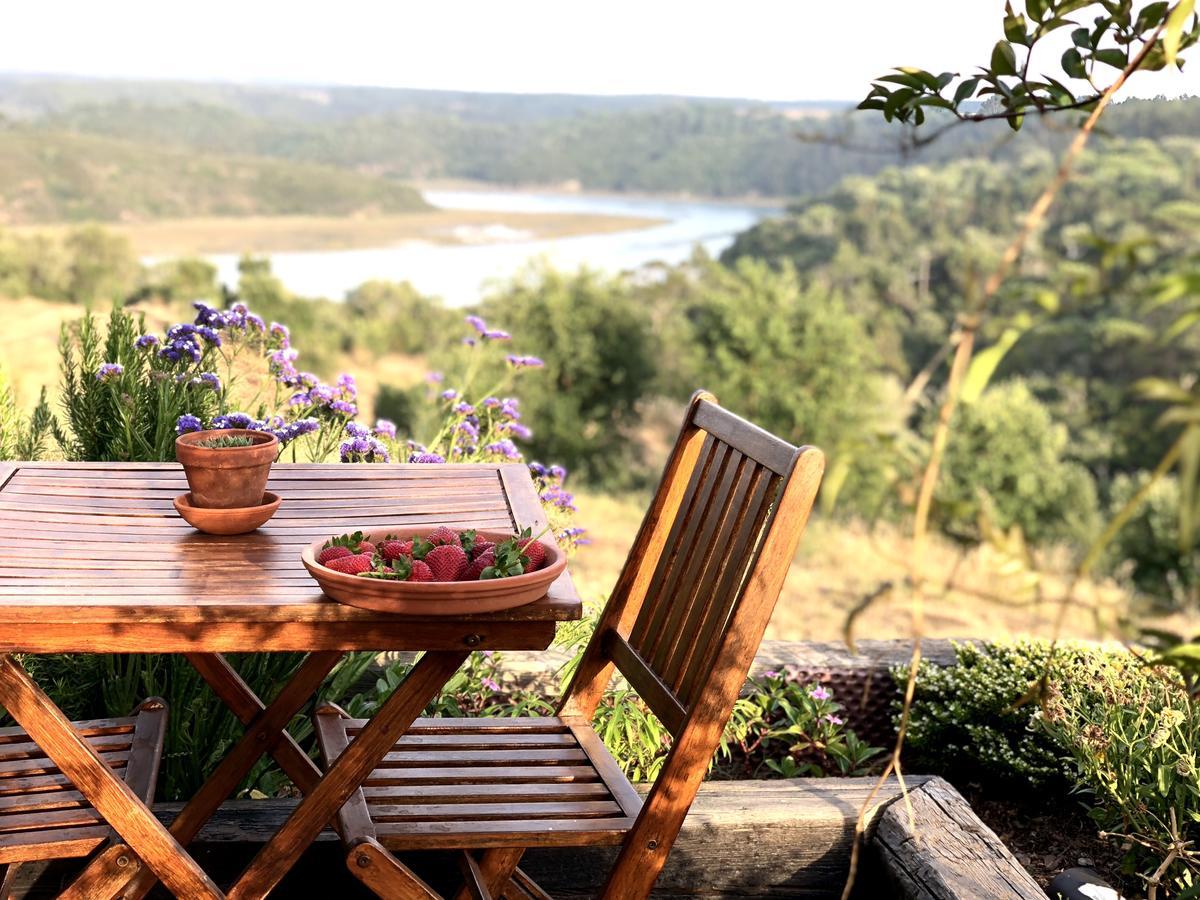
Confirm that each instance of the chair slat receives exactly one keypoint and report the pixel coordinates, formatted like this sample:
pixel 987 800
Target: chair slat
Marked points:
pixel 713 617
pixel 649 619
pixel 708 554
pixel 478 812
pixel 730 552
pixel 746 437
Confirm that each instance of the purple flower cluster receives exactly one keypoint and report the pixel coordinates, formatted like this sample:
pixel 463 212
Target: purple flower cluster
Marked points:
pixel 109 372
pixel 363 446
pixel 549 483
pixel 146 341
pixel 487 334
pixel 209 380
pixel 524 362
pixel 339 399
pixel 425 456
pixel 284 431
pixel 385 428
pixel 237 316
pixel 505 448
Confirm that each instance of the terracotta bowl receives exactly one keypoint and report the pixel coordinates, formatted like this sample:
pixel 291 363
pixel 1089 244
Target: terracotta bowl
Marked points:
pixel 447 598
pixel 226 521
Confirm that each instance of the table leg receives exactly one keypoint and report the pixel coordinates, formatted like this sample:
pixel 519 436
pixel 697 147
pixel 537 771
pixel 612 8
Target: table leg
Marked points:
pixel 112 798
pixel 264 734
pixel 347 773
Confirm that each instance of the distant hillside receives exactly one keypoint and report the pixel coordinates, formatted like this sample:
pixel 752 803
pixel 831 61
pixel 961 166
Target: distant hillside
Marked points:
pixel 705 147
pixel 50 175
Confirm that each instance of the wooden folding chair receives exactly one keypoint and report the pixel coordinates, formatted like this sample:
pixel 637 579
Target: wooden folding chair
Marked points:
pixel 43 816
pixel 682 626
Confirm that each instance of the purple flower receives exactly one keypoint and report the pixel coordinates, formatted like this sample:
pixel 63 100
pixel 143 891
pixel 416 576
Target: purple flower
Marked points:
pixel 510 408
pixel 109 372
pixel 505 448
pixel 364 449
pixel 478 324
pixel 346 383
pixel 516 429
pixel 467 428
pixel 435 377
pixel 490 402
pixel 525 362
pixel 208 315
pixel 234 420
pixel 490 684
pixel 463 409
pixel 558 472
pixel 208 379
pixel 255 322
pixel 819 693
pixel 833 720
pixel 281 334
pixel 146 341
pixel 537 470
pixel 357 431
pixel 385 428
pixel 449 394
pixel 493 334
pixel 187 422
pixel 426 458
pixel 343 407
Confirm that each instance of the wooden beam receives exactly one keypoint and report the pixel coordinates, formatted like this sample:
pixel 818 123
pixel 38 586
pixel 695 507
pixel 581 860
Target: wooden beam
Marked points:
pixel 944 852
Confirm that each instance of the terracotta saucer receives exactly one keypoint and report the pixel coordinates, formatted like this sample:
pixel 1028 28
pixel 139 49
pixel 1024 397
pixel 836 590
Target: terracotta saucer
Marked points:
pixel 226 521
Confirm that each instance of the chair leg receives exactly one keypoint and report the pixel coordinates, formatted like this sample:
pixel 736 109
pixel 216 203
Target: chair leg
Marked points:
pixel 389 878
pixel 496 867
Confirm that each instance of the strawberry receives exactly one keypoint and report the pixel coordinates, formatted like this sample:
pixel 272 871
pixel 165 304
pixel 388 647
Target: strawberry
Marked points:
pixel 447 562
pixel 482 561
pixel 355 543
pixel 443 535
pixel 420 572
pixel 332 553
pixel 404 568
pixel 392 548
pixel 481 547
pixel 356 564
pixel 535 551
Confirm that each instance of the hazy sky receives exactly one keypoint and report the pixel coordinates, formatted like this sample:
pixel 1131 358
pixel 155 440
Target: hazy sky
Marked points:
pixel 802 49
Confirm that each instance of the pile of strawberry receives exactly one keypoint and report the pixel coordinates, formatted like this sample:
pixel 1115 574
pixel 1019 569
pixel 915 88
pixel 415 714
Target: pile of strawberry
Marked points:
pixel 442 555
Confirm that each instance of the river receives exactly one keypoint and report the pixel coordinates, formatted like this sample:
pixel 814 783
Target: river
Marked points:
pixel 461 273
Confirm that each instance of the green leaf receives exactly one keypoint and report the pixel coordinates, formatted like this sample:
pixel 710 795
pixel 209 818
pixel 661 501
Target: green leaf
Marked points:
pixel 1150 16
pixel 965 89
pixel 1081 37
pixel 984 364
pixel 1173 32
pixel 1004 59
pixel 1014 29
pixel 1036 9
pixel 1072 64
pixel 1111 56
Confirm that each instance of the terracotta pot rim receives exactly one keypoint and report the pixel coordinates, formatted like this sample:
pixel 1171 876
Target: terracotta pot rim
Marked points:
pixel 192 439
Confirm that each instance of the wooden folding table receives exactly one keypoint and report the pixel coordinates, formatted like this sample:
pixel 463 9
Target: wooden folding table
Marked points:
pixel 94 560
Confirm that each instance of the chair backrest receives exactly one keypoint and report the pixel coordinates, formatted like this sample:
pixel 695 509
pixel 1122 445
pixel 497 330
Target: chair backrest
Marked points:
pixel 690 608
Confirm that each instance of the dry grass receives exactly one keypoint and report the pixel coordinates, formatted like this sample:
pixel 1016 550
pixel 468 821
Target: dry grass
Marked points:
pixel 840 564
pixel 270 234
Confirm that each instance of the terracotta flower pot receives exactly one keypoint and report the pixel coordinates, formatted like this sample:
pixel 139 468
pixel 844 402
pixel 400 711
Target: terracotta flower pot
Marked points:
pixel 227 477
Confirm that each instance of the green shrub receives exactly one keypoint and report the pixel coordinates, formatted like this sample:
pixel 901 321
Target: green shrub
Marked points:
pixel 1147 550
pixel 1133 735
pixel 964 720
pixel 1007 456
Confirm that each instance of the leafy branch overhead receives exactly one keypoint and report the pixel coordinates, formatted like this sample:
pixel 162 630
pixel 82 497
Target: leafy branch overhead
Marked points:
pixel 1107 38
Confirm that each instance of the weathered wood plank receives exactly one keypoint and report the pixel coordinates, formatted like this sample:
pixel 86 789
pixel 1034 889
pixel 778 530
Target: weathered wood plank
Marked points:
pixel 762 839
pixel 944 852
